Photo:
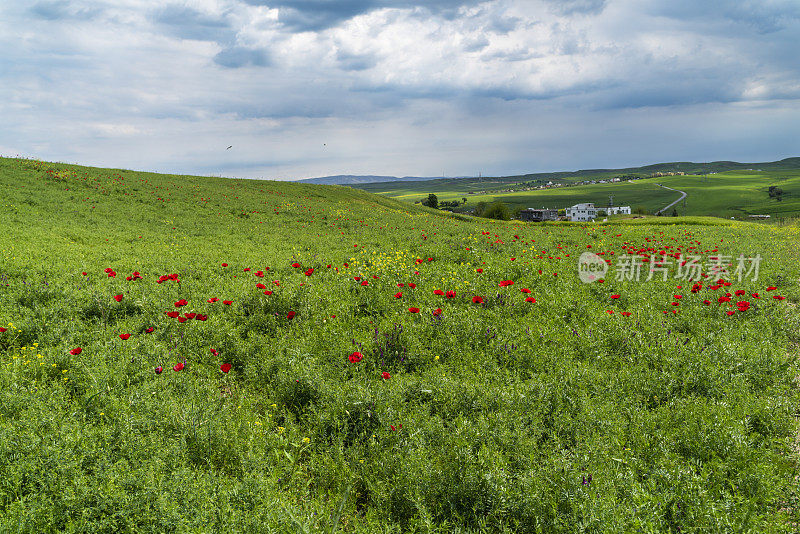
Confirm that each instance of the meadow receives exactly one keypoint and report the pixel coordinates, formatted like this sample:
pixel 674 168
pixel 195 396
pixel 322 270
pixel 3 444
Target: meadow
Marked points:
pixel 197 354
pixel 733 193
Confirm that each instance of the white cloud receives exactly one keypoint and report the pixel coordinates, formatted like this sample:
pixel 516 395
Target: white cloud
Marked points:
pixel 391 87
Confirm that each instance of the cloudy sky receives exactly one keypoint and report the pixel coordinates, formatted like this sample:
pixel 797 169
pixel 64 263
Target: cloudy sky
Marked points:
pixel 305 88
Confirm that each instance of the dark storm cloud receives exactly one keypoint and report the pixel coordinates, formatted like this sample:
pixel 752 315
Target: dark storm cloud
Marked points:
pixel 316 15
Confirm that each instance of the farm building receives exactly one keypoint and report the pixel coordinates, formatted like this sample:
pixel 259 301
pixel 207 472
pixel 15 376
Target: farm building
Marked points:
pixel 544 214
pixel 582 212
pixel 618 210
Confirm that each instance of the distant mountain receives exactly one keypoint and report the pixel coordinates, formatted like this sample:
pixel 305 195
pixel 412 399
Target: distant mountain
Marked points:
pixel 348 179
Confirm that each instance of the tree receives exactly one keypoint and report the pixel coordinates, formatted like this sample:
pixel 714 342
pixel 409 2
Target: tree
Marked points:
pixel 497 210
pixel 639 210
pixel 433 201
pixel 602 213
pixel 464 199
pixel 674 212
pixel 479 207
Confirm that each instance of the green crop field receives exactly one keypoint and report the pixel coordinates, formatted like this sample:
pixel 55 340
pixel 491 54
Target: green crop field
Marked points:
pixel 193 354
pixel 734 193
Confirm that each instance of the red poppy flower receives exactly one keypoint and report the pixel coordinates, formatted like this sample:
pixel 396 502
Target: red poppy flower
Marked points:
pixel 676 303
pixel 83 273
pixel 743 305
pixel 172 314
pixel 124 336
pixel 626 314
pixel 191 315
pixel 224 265
pixel 310 271
pixel 214 352
pixel 400 285
pixel 392 428
pixel 437 312
pixel 385 375
pixel 112 274
pixel 295 265
pixel 2 329
pixel 614 296
pixel 771 288
pixel 355 357
pixel 150 330
pixel 412 285
pixel 118 298
pixel 450 294
pixel 108 270
pixel 261 286
pixel 530 299
pixel 678 296
pixel 707 302
pixel 479 270
pixel 506 283
pixel 267 292
pixel 609 312
pixel 180 303
pixel 181 319
pixel 739 292
pixel 225 367
pixel 723 299
pixel 438 292
pixel 414 310
pixel 260 274
pixel 159 369
pixel 730 312
pixel 398 295
pixel 227 302
pixel 755 296
pixel 778 297
pixel 178 366
pixel 76 351
pixel 246 269
pixel 290 315
pixel 477 300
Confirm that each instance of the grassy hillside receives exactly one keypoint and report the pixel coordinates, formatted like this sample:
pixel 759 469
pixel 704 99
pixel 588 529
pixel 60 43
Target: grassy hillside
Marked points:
pixel 189 354
pixel 728 194
pixel 464 185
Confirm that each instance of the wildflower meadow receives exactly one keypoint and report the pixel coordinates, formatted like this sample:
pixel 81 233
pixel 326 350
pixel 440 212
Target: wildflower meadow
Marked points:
pixel 200 354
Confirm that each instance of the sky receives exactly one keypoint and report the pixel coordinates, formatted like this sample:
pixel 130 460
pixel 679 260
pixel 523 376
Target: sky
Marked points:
pixel 305 88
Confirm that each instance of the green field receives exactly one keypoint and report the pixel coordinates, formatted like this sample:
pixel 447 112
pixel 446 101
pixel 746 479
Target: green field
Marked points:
pixel 737 193
pixel 261 356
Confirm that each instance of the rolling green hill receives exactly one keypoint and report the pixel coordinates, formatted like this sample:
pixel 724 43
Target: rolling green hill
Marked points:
pixel 191 354
pixel 734 193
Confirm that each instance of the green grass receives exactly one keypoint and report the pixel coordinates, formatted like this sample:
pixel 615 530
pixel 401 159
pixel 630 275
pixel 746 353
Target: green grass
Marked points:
pixel 738 193
pixel 493 419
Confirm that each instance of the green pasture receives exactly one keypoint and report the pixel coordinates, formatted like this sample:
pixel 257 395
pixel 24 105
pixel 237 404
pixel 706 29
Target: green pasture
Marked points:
pixel 195 354
pixel 727 194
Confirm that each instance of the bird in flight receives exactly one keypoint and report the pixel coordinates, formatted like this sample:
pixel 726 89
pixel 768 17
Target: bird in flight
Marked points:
pixel 229 147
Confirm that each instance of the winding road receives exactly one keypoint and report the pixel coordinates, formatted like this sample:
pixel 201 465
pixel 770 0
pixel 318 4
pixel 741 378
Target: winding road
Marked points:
pixel 668 206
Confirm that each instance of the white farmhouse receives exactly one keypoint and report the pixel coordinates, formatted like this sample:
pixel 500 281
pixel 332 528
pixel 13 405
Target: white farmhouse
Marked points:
pixel 581 212
pixel 618 210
